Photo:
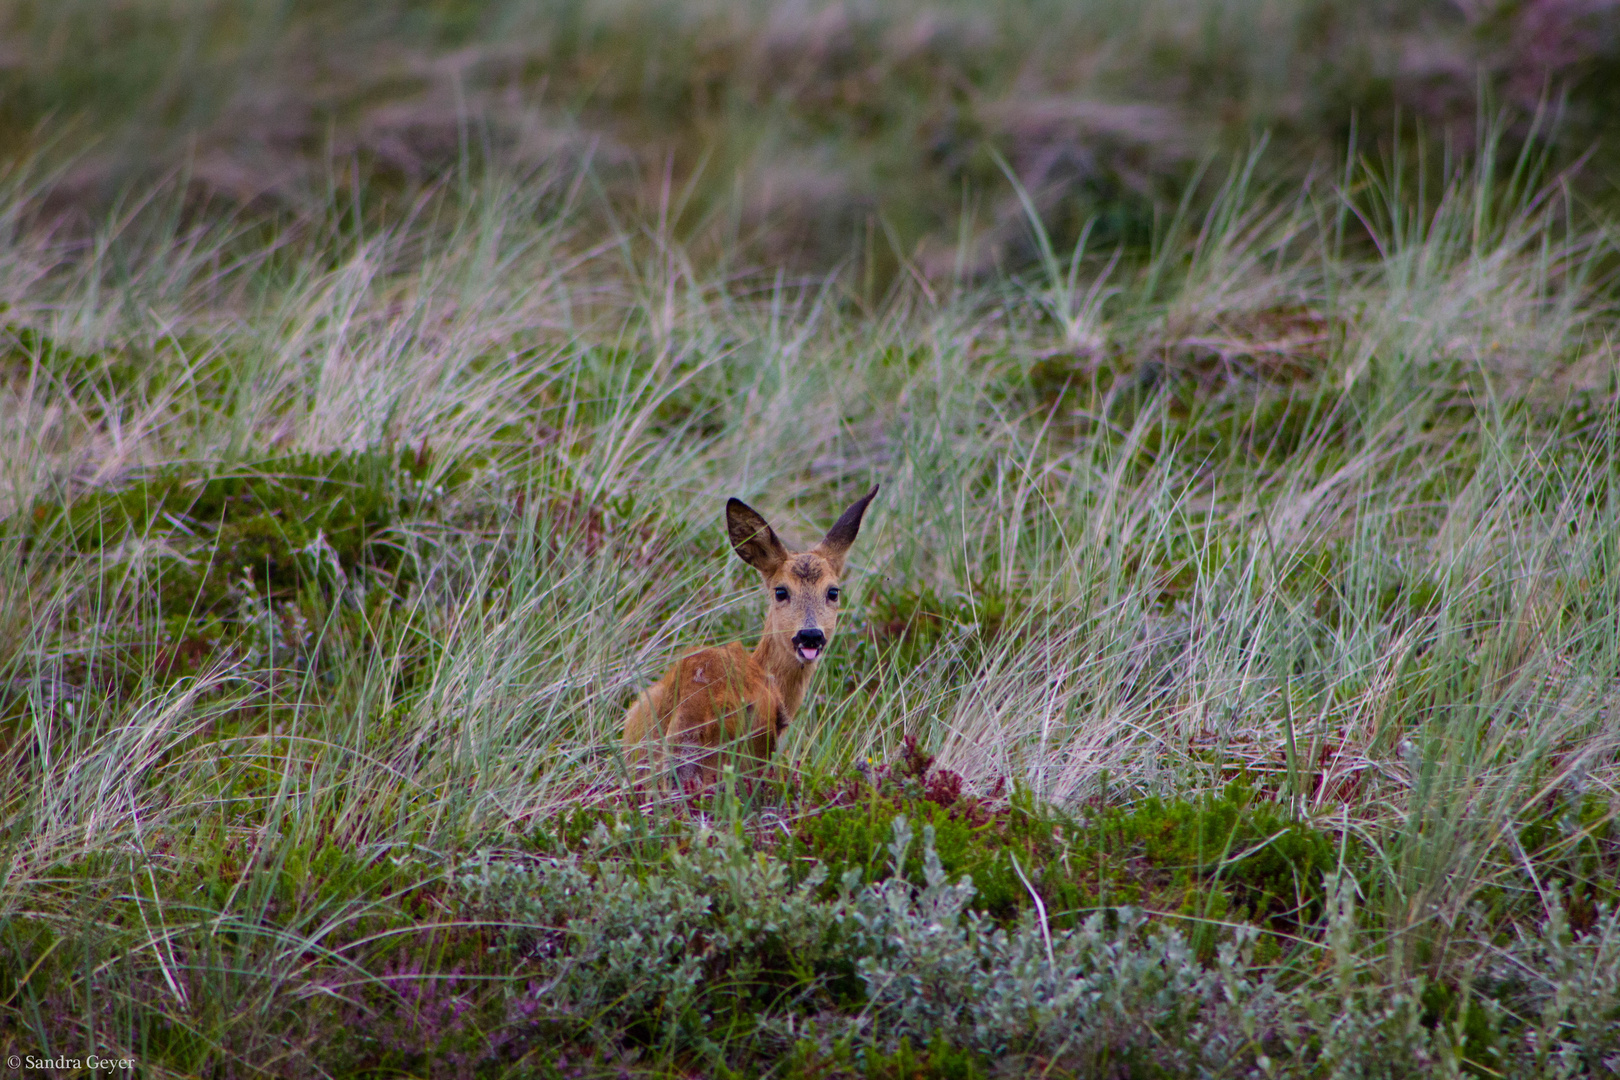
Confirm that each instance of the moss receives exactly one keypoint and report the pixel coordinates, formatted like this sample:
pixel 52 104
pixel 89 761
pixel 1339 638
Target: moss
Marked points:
pixel 586 824
pixel 295 560
pixel 85 376
pixel 277 524
pixel 27 953
pixel 1271 867
pixel 910 623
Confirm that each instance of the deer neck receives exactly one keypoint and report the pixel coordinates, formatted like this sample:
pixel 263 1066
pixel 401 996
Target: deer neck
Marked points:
pixel 792 677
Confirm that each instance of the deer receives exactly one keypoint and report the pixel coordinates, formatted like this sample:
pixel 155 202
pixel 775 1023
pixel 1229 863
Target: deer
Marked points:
pixel 728 696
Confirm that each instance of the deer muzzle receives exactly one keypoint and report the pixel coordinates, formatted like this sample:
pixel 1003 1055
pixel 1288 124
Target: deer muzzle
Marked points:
pixel 808 644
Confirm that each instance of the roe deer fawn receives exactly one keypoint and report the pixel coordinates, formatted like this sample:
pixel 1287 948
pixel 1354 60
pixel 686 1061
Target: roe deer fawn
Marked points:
pixel 726 695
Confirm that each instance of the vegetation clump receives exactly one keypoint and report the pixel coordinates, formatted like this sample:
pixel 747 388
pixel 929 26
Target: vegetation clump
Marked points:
pixel 1221 857
pixel 283 523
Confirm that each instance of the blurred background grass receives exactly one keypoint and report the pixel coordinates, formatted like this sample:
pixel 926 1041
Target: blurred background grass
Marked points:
pixel 802 133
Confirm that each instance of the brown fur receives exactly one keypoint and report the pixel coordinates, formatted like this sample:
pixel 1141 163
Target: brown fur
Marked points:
pixel 729 697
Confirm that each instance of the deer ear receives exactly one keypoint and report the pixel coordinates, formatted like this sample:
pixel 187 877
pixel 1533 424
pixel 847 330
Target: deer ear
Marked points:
pixel 752 538
pixel 835 545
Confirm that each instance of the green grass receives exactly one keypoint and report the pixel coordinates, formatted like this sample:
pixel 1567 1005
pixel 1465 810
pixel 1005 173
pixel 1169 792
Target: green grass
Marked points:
pixel 1227 680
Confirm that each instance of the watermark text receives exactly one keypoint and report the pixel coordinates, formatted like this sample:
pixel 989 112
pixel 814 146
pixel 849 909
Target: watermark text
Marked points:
pixel 64 1062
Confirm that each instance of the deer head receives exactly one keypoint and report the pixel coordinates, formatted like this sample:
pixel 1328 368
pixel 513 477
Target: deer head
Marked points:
pixel 802 586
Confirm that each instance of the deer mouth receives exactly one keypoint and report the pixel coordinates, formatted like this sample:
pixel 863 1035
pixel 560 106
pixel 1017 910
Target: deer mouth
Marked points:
pixel 809 645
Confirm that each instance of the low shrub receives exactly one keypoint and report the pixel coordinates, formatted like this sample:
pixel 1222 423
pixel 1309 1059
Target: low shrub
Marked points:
pixel 724 956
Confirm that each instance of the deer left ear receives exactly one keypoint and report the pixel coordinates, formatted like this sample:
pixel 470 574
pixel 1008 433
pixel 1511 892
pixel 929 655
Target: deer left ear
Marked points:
pixel 835 545
pixel 752 538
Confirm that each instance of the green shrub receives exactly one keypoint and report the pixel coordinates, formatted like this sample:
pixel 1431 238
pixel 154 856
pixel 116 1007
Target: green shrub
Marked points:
pixel 684 957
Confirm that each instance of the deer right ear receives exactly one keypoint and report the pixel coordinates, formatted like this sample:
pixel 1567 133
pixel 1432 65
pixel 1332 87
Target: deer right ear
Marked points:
pixel 838 539
pixel 752 538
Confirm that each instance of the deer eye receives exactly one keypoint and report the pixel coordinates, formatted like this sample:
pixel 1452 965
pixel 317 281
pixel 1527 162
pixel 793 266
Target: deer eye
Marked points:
pixel 782 593
pixel 832 594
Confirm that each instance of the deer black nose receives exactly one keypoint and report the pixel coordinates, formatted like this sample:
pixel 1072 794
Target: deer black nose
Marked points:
pixel 810 639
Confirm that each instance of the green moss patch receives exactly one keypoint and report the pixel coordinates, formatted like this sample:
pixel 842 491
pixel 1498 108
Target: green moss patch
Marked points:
pixel 278 524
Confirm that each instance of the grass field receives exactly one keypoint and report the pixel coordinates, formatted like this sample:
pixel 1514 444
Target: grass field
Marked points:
pixel 1227 678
